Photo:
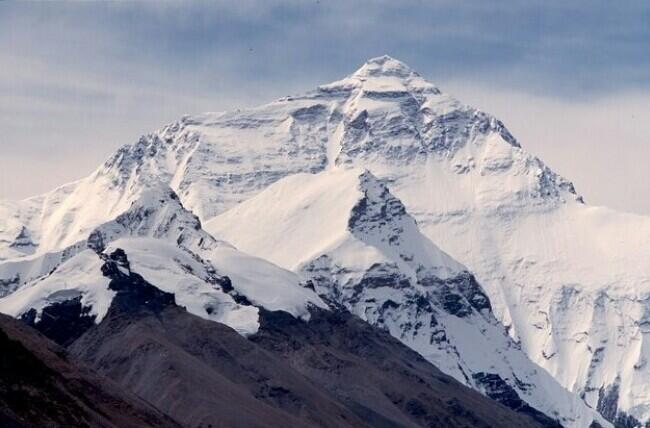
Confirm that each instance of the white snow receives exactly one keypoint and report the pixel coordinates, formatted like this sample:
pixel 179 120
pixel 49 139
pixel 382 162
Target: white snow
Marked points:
pixel 264 283
pixel 280 226
pixel 300 217
pixel 167 246
pixel 80 276
pixel 174 270
pixel 568 281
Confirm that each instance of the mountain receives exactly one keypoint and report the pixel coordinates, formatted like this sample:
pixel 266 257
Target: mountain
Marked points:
pixel 167 246
pixel 40 386
pixel 202 373
pixel 199 372
pixel 371 258
pixel 96 298
pixel 568 281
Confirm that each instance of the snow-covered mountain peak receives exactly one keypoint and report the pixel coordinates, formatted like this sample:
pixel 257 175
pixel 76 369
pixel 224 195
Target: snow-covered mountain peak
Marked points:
pixel 166 245
pixel 383 75
pixel 384 65
pixel 345 233
pixel 284 223
pixel 384 117
pixel 367 233
pixel 287 178
pixel 380 219
pixel 157 212
pixel 154 213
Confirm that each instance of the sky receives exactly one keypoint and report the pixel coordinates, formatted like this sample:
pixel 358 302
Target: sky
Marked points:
pixel 571 80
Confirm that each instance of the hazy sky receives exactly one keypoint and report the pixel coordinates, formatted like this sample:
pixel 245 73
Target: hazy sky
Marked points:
pixel 571 81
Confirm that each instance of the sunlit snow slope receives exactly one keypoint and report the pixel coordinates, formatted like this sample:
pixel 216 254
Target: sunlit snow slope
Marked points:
pixel 166 245
pixel 370 257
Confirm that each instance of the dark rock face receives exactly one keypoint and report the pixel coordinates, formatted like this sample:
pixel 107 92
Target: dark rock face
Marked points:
pixel 314 112
pixel 23 241
pixel 453 303
pixel 65 321
pixel 473 292
pixel 458 296
pixel 133 292
pixel 608 407
pixel 40 387
pixel 62 322
pixel 9 285
pixel 497 389
pixel 370 213
pixel 608 402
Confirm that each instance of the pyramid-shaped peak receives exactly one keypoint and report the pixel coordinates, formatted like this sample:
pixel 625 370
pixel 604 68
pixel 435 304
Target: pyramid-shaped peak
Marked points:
pixel 384 66
pixel 368 180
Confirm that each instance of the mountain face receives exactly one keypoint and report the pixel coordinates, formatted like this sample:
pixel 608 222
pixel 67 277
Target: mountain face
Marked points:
pixel 382 112
pixel 286 183
pixel 372 259
pixel 96 298
pixel 290 373
pixel 203 373
pixel 167 246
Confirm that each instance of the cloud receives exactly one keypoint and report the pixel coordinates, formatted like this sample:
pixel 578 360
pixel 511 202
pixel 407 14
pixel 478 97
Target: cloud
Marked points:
pixel 583 46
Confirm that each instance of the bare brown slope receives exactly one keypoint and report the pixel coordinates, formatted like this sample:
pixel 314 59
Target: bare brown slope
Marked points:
pixel 379 377
pixel 203 373
pixel 334 371
pixel 199 372
pixel 39 387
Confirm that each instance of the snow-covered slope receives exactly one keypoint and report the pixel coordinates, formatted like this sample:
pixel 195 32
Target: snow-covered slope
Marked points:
pixel 167 246
pixel 570 281
pixel 370 257
pixel 155 212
